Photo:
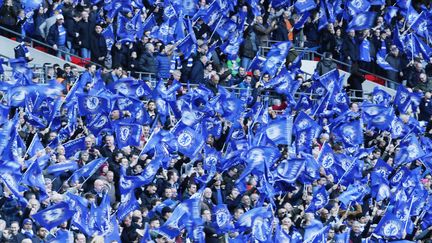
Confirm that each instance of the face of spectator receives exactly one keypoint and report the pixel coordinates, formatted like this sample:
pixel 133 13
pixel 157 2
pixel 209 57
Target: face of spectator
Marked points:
pixel 85 15
pixel 80 238
pixel 14 228
pixel 259 20
pixel 351 33
pixel 356 227
pixel 151 106
pixel 98 29
pixel 207 193
pixel 109 141
pixel 206 215
pixel 154 224
pixel 238 212
pixel 168 192
pixel 266 78
pixel 246 200
pixel 60 21
pixel 110 176
pixel 98 186
pixel 394 51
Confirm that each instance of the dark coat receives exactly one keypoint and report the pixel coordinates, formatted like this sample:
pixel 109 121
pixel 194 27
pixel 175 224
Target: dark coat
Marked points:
pixel 197 73
pixel 53 35
pixel 350 48
pixel 98 47
pixel 148 63
pixel 85 29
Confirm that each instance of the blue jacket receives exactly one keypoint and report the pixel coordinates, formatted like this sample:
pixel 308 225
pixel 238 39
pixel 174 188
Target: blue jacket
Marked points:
pixel 163 66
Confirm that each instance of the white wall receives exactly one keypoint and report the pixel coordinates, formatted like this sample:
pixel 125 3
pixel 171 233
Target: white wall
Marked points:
pixel 7 49
pixel 368 86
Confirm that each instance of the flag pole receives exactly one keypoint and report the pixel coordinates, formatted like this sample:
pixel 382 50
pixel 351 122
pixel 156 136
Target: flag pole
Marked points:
pixel 406 223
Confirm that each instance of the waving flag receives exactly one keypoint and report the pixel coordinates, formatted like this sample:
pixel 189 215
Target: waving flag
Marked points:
pixel 358 6
pixel 74 146
pixel 391 12
pixel 189 141
pixel 362 21
pixel 36 147
pixel 379 186
pixel 257 158
pixel 89 169
pixel 380 96
pixel 302 20
pixel 319 200
pixel 323 21
pixel 350 133
pixel 53 215
pixel 127 134
pixel 410 150
pixel 377 116
pixel 222 217
pixel 390 227
pixel 89 104
pixel 354 192
pixel 290 170
pixel 108 33
pixel 33 177
pixel 275 57
pixel 279 131
pixel 302 6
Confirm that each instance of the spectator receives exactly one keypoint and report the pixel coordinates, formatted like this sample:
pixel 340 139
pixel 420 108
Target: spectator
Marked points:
pixel 249 48
pixel 98 46
pixel 394 59
pixel 197 72
pixel 262 31
pixel 350 48
pixel 85 30
pixel 326 64
pixel 164 62
pixel 8 11
pixel 148 62
pixel 57 38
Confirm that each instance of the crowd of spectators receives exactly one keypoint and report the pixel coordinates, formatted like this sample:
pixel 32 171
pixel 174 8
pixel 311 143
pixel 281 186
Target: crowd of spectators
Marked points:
pixel 77 28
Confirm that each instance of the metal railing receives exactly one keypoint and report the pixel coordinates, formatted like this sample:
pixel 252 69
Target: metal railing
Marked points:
pixel 311 53
pixel 34 41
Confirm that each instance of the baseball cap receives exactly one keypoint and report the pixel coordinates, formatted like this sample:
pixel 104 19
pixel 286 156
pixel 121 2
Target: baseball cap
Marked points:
pixel 59 16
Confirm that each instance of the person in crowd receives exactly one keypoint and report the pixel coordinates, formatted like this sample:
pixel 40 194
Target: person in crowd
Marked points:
pixel 57 38
pixel 98 46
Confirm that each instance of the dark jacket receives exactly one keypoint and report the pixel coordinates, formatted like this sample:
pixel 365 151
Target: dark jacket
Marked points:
pixel 325 66
pixel 53 35
pixel 98 47
pixel 350 48
pixel 262 33
pixel 249 46
pixel 163 66
pixel 425 110
pixel 85 29
pixel 396 63
pixel 197 73
pixel 327 41
pixel 119 56
pixel 148 63
pixel 8 16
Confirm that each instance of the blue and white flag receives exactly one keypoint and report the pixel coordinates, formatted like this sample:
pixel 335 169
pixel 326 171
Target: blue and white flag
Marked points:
pixel 33 177
pixel 322 15
pixel 275 57
pixel 90 104
pixel 189 141
pixel 127 134
pixel 358 6
pixel 302 20
pixel 36 147
pixel 89 169
pixel 377 116
pixel 380 189
pixel 74 146
pixel 108 33
pixel 362 21
pixel 410 150
pixel 350 133
pixel 380 96
pixel 279 131
pixel 290 170
pixel 390 227
pixel 222 217
pixel 53 215
pixel 302 6
pixel 319 200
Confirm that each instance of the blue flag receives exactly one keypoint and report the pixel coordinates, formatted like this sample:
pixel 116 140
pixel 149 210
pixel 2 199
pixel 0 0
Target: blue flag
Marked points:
pixel 108 33
pixel 59 168
pixel 358 6
pixel 89 169
pixel 74 146
pixel 362 21
pixel 275 57
pixel 33 177
pixel 279 131
pixel 53 215
pixel 319 200
pixel 391 12
pixel 127 134
pixel 290 170
pixel 323 21
pixel 302 20
pixel 36 147
pixel 354 192
pixel 390 227
pixel 189 141
pixel 410 150
pixel 89 104
pixel 377 116
pixel 350 133
pixel 222 217
pixel 302 6
pixel 380 96
pixel 380 189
